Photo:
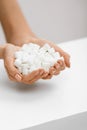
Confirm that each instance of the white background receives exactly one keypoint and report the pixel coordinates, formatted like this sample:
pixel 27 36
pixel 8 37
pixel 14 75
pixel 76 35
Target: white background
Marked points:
pixel 56 20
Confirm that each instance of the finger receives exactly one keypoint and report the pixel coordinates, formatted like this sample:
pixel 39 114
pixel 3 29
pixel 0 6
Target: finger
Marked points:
pixel 10 76
pixel 62 64
pixel 67 59
pixel 9 64
pixel 48 77
pixel 57 73
pixel 52 70
pixel 37 77
pixel 34 80
pixel 55 69
pixel 58 68
pixel 18 77
pixel 15 73
pixel 45 74
pixel 32 75
pixel 61 52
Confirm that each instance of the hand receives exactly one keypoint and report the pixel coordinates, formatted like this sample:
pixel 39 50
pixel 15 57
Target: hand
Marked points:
pixel 60 65
pixel 13 72
pixel 18 34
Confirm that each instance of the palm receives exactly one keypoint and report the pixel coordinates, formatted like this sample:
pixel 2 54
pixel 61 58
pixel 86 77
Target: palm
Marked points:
pixel 60 65
pixel 13 72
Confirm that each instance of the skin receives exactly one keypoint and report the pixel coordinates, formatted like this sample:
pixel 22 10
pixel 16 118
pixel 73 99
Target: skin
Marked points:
pixel 17 34
pixel 7 54
pixel 2 47
pixel 8 51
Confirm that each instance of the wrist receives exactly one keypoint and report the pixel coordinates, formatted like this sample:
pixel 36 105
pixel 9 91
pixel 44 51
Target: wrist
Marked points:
pixel 2 48
pixel 21 38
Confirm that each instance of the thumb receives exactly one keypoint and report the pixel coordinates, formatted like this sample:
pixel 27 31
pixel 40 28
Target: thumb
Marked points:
pixel 14 72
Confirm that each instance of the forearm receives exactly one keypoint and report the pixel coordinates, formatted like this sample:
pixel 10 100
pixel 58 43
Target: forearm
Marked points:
pixel 13 21
pixel 2 47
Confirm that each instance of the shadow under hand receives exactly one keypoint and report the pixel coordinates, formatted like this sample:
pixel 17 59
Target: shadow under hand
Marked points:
pixel 20 92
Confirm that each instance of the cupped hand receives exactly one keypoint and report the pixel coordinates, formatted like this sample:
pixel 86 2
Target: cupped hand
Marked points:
pixel 15 75
pixel 13 72
pixel 60 65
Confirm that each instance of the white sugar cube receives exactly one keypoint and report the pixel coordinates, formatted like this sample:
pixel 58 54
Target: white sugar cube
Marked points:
pixel 17 62
pixel 33 57
pixel 25 71
pixel 61 58
pixel 46 47
pixel 51 51
pixel 24 47
pixel 20 69
pixel 56 55
pixel 33 68
pixel 24 59
pixel 18 54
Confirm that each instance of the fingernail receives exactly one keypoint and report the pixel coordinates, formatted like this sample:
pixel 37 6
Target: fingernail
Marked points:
pixel 18 77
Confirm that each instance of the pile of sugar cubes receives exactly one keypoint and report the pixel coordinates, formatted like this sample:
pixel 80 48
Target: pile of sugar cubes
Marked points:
pixel 31 57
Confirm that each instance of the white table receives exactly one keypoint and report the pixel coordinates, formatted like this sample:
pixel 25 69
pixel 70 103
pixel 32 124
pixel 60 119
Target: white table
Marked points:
pixel 23 106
